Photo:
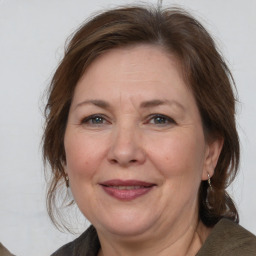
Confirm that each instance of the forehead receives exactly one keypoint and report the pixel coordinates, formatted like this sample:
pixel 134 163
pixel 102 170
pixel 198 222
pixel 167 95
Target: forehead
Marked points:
pixel 135 67
pixel 126 78
pixel 137 58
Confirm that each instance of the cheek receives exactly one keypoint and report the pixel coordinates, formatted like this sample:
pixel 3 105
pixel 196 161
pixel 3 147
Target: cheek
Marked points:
pixel 179 155
pixel 83 159
pixel 82 156
pixel 180 162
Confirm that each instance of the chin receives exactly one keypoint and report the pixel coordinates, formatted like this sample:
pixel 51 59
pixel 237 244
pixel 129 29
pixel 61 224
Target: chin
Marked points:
pixel 128 225
pixel 128 230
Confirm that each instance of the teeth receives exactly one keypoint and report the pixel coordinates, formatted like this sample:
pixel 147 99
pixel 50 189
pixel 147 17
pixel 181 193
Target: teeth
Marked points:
pixel 126 187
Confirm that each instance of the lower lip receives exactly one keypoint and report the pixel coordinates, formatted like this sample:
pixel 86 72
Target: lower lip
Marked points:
pixel 128 194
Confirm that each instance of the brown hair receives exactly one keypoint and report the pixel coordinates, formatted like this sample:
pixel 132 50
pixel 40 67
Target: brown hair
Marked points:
pixel 204 70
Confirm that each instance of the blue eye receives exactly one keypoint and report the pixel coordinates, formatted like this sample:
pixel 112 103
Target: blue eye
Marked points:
pixel 161 120
pixel 94 120
pixel 97 120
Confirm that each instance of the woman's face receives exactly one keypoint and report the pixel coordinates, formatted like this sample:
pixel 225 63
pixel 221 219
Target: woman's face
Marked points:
pixel 134 143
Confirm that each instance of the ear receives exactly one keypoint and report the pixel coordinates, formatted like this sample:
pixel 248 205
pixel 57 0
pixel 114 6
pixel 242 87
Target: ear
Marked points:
pixel 212 153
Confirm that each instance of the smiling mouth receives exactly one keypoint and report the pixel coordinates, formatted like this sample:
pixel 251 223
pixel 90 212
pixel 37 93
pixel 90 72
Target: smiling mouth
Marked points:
pixel 126 187
pixel 126 190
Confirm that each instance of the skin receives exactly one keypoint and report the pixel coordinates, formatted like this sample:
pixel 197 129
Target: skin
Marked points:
pixel 126 140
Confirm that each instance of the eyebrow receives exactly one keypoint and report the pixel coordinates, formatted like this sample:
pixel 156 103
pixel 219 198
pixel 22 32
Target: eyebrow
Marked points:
pixel 155 103
pixel 98 103
pixel 145 104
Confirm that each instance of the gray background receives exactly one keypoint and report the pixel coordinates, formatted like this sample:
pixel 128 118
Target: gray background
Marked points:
pixel 32 36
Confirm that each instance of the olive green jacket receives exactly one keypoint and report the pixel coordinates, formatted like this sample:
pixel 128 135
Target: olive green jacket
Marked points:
pixel 226 239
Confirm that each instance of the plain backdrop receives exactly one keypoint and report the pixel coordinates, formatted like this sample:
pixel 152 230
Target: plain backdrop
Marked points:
pixel 32 36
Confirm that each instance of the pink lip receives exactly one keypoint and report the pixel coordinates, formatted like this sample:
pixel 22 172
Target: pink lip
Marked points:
pixel 110 187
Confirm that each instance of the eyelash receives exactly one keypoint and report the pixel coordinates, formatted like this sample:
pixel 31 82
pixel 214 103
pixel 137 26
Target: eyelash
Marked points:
pixel 167 119
pixel 90 119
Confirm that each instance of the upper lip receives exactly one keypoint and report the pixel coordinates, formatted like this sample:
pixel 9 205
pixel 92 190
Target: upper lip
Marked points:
pixel 118 182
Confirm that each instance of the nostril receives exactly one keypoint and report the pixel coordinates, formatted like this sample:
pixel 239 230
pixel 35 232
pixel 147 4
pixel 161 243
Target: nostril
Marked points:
pixel 113 161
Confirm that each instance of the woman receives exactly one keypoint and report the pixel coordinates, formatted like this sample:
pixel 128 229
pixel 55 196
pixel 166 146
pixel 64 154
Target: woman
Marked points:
pixel 140 125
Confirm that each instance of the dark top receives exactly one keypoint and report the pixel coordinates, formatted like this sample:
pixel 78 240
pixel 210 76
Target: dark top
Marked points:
pixel 226 239
pixel 4 251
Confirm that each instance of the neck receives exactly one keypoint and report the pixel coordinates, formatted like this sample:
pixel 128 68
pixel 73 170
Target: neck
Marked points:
pixel 188 243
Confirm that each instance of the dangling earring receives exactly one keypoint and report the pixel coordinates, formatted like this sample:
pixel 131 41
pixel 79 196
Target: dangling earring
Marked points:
pixel 69 193
pixel 67 180
pixel 210 193
pixel 209 180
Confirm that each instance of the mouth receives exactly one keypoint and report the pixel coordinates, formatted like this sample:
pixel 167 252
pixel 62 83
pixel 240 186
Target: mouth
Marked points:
pixel 127 189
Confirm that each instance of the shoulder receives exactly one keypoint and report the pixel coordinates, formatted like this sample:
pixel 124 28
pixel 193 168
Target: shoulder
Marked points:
pixel 4 251
pixel 87 245
pixel 228 238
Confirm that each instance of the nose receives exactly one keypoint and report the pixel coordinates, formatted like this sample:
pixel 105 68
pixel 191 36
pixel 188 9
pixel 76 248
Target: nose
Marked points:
pixel 126 147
